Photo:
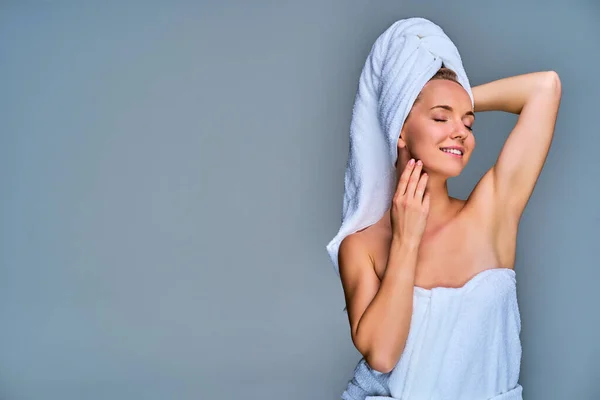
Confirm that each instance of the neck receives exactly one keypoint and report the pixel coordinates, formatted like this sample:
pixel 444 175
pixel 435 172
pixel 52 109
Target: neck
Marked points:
pixel 442 207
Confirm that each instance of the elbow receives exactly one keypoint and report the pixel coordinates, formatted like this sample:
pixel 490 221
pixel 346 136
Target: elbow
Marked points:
pixel 551 82
pixel 380 363
pixel 381 357
pixel 377 360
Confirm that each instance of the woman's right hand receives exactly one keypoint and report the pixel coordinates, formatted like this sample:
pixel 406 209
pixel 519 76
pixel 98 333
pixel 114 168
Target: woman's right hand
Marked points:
pixel 410 205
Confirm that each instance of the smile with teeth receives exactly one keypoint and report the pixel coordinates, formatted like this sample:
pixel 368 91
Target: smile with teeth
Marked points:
pixel 454 152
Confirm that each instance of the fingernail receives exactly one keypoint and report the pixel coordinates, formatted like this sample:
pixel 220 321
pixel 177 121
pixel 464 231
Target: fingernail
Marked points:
pixel 411 162
pixel 419 162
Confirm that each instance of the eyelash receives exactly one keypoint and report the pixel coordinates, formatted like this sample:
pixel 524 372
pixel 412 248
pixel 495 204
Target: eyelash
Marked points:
pixel 443 120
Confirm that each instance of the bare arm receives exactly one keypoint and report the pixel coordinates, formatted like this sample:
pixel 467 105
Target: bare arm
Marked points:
pixel 536 98
pixel 379 311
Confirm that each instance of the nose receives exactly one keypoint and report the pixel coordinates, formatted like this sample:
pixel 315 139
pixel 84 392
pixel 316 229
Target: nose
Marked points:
pixel 460 132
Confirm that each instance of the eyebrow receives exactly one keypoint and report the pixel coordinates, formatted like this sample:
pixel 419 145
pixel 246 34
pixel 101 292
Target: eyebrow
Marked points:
pixel 447 107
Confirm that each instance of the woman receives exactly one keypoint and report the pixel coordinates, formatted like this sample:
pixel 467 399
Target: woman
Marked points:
pixel 430 287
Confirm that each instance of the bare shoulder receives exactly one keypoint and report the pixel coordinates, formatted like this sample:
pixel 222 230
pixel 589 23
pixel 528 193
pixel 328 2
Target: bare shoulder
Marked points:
pixel 355 261
pixel 359 280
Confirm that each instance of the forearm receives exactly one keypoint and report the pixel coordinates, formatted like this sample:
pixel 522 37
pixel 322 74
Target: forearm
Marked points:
pixel 386 322
pixel 512 93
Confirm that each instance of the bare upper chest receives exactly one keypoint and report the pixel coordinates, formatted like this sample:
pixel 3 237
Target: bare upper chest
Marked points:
pixel 449 257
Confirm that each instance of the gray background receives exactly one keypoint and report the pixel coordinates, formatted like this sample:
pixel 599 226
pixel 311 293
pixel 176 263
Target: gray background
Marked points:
pixel 171 174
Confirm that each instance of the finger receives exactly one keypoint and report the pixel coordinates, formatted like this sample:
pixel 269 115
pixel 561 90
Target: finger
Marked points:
pixel 421 186
pixel 426 201
pixel 403 181
pixel 414 179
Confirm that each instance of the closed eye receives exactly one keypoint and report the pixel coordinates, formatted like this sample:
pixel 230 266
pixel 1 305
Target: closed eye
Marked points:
pixel 470 128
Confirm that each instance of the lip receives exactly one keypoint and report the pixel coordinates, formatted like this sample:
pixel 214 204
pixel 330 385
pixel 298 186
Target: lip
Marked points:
pixel 461 149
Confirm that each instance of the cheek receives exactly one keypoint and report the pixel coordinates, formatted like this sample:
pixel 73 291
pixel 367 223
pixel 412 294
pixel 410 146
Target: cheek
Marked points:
pixel 428 133
pixel 472 142
pixel 436 134
pixel 423 134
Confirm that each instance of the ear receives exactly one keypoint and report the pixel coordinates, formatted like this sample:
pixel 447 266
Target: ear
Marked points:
pixel 401 147
pixel 401 143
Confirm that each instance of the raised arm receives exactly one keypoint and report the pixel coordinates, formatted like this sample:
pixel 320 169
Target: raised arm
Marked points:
pixel 536 98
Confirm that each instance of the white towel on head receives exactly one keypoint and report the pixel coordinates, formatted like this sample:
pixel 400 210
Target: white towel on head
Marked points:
pixel 402 60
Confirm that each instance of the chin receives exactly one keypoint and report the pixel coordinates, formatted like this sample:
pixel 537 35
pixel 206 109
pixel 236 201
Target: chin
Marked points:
pixel 454 174
pixel 446 170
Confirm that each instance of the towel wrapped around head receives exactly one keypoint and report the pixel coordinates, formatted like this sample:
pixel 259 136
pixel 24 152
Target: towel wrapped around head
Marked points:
pixel 402 60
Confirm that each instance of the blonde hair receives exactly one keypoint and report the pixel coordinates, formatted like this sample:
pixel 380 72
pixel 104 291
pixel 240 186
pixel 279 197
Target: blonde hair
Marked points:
pixel 446 73
pixel 443 73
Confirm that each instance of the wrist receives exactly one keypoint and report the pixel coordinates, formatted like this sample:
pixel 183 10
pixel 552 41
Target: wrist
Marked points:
pixel 405 243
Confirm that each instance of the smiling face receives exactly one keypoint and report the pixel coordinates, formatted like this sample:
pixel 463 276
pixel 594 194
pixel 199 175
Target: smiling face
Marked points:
pixel 441 119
